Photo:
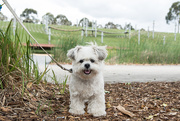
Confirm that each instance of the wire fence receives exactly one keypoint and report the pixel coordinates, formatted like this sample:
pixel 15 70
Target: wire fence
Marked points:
pixel 57 31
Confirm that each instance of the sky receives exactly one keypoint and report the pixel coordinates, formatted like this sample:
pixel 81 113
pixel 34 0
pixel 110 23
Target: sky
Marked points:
pixel 140 13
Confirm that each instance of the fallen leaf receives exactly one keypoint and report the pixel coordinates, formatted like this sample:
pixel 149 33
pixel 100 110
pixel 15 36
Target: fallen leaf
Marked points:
pixel 4 99
pixel 42 89
pixel 32 106
pixel 33 113
pixel 164 105
pixel 29 85
pixel 150 117
pixel 110 99
pixel 25 115
pixel 33 116
pixel 107 91
pixel 142 106
pixel 108 105
pixel 115 114
pixel 173 109
pixel 62 117
pixel 157 114
pixel 2 118
pixel 126 105
pixel 145 108
pixel 172 113
pixel 34 99
pixel 8 109
pixel 10 77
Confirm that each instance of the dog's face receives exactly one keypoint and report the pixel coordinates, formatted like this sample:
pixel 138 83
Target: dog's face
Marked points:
pixel 87 60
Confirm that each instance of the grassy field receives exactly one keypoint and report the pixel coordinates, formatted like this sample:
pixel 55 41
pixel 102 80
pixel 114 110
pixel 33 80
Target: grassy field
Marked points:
pixel 124 50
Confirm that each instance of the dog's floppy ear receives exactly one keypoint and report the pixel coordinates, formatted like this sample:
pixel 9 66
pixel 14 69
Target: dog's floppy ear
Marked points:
pixel 101 52
pixel 72 52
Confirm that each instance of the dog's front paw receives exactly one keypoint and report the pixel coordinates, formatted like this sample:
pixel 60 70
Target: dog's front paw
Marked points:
pixel 76 112
pixel 97 113
pixel 100 113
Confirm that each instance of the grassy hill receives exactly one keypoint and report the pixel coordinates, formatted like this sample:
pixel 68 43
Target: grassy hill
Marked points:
pixel 123 49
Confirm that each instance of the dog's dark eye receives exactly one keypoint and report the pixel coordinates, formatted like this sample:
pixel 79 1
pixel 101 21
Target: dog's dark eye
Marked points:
pixel 92 61
pixel 81 61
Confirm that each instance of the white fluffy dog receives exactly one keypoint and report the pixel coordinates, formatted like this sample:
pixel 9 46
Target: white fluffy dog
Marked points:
pixel 87 83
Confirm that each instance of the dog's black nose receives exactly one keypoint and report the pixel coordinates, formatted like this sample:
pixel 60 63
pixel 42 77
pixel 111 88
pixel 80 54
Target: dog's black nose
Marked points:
pixel 87 65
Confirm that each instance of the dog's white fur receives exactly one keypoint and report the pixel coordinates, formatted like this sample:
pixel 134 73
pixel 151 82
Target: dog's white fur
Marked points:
pixel 87 83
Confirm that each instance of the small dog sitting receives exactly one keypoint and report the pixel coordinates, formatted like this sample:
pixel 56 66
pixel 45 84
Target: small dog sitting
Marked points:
pixel 87 83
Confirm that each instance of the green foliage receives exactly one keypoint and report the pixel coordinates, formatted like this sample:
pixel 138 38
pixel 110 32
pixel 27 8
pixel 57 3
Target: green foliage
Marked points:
pixel 27 14
pixel 9 55
pixel 81 22
pixel 51 19
pixel 149 51
pixel 15 59
pixel 63 86
pixel 62 20
pixel 174 12
pixel 64 44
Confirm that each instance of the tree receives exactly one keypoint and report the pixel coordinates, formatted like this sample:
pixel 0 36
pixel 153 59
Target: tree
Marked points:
pixel 100 26
pixel 128 25
pixel 90 24
pixel 49 17
pixel 29 16
pixel 2 17
pixel 110 25
pixel 174 13
pixel 81 22
pixel 62 20
pixel 118 26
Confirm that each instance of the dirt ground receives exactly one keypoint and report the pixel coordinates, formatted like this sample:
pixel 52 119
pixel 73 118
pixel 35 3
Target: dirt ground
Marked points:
pixel 148 101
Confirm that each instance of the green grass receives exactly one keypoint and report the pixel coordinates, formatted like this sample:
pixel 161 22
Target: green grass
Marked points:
pixel 151 51
pixel 15 59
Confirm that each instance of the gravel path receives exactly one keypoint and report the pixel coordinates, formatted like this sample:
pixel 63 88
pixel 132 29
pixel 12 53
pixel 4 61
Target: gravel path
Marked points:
pixel 120 73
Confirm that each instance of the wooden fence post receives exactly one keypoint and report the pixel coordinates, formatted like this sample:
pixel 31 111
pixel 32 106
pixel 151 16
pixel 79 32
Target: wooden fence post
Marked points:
pixel 46 24
pixel 84 23
pixel 164 40
pixel 95 28
pixel 102 34
pixel 77 24
pixel 49 36
pixel 178 23
pixel 153 29
pixel 175 31
pixel 86 27
pixel 129 31
pixel 148 32
pixel 139 34
pixel 14 25
pixel 125 27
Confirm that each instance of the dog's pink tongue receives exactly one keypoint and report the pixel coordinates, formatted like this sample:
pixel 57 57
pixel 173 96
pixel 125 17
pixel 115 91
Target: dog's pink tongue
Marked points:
pixel 87 71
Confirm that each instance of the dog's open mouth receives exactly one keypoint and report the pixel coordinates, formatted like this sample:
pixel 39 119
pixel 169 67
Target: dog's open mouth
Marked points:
pixel 87 72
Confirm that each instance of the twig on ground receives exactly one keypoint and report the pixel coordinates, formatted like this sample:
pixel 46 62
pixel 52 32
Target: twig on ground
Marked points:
pixel 123 110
